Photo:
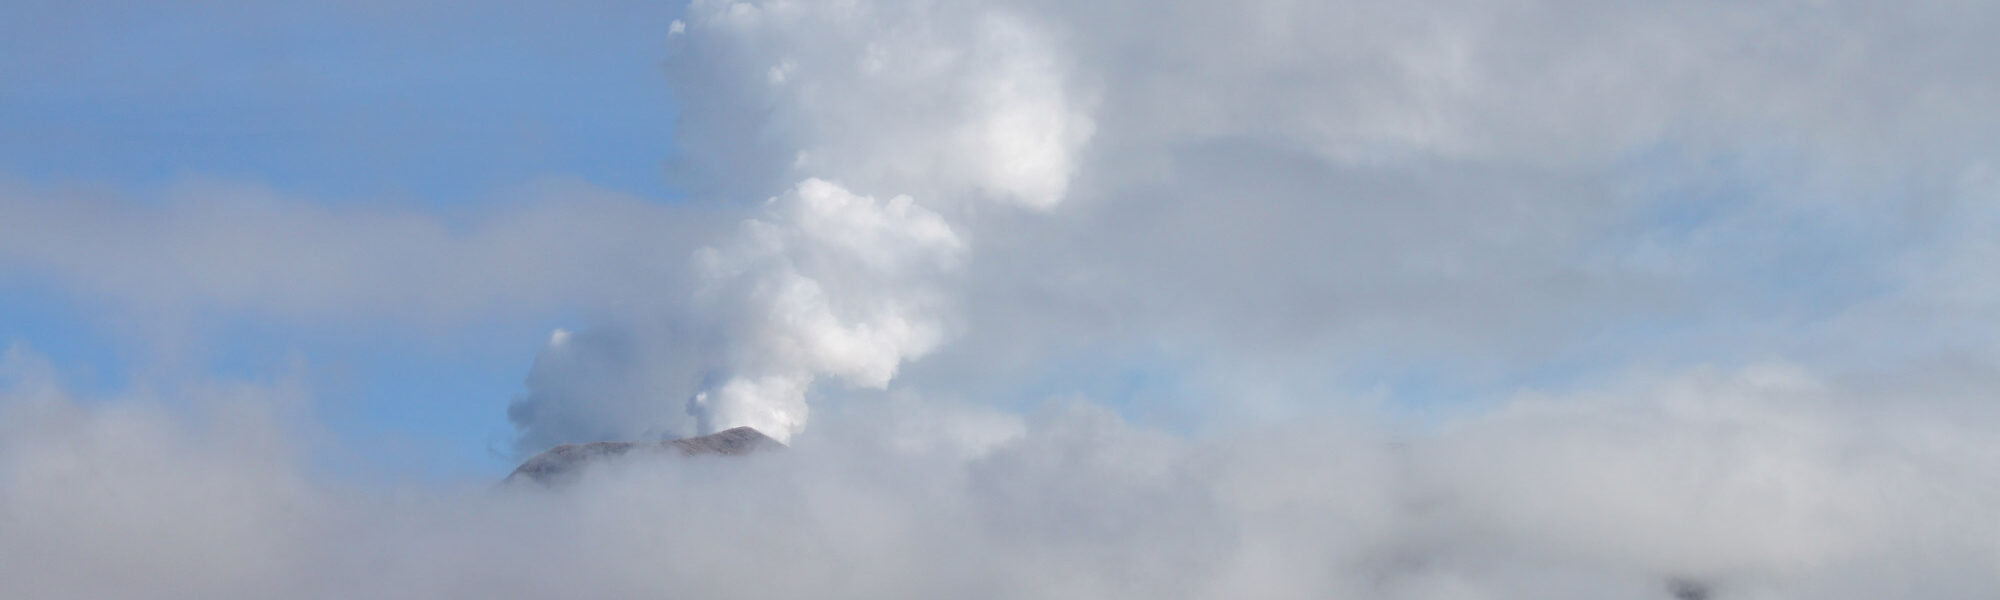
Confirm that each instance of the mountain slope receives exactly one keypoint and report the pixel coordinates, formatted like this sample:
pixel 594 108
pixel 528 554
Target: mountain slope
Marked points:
pixel 563 463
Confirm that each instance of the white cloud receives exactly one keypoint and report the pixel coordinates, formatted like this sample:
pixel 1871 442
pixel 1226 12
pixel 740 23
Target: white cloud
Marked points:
pixel 831 284
pixel 1625 209
pixel 823 283
pixel 1299 196
pixel 935 101
pixel 1761 482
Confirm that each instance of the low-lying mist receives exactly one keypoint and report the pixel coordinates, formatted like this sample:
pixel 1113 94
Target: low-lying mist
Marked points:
pixel 1758 483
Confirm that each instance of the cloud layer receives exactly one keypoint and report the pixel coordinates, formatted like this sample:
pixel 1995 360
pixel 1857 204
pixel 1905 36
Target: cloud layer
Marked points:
pixel 1347 299
pixel 1765 482
pixel 1454 192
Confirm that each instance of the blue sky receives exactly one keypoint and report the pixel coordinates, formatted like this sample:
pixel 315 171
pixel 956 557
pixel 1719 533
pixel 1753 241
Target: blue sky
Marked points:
pixel 440 106
pixel 434 102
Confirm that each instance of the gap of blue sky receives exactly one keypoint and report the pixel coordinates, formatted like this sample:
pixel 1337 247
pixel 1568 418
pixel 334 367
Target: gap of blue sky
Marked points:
pixel 430 102
pixel 433 105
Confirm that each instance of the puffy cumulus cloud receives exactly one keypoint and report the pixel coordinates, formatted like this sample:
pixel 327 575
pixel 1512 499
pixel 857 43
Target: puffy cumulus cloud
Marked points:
pixel 1764 482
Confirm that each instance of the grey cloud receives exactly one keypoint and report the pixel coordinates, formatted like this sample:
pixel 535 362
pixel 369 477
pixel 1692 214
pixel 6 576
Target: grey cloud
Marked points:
pixel 1762 482
pixel 1546 187
pixel 1293 196
pixel 1575 206
pixel 612 383
pixel 1545 83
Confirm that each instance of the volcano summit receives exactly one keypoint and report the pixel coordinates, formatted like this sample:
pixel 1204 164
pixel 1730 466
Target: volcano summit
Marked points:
pixel 564 463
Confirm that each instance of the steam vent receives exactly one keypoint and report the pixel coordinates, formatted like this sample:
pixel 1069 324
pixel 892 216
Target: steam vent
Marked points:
pixel 563 463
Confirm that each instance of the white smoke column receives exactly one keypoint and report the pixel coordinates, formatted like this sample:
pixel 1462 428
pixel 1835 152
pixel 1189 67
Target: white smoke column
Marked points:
pixel 828 283
pixel 889 98
pixel 941 101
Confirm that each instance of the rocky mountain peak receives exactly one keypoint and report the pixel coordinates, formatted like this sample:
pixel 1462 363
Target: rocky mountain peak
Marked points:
pixel 563 463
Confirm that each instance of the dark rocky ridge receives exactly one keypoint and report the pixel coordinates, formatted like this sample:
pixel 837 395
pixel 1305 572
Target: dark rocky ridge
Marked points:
pixel 563 463
pixel 1688 589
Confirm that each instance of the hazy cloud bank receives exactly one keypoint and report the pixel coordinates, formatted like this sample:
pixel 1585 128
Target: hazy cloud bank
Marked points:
pixel 1759 483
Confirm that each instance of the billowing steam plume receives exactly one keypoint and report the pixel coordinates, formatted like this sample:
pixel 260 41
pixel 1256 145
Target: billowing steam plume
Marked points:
pixel 828 283
pixel 832 280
